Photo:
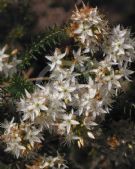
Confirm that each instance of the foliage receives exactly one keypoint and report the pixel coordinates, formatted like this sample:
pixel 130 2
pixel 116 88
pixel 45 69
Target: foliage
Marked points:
pixel 17 86
pixel 45 42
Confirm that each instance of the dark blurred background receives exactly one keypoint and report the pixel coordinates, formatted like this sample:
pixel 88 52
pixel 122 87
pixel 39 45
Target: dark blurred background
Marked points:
pixel 21 19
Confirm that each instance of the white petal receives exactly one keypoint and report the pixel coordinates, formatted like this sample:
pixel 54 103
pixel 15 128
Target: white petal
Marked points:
pixel 27 94
pixel 74 122
pixel 90 135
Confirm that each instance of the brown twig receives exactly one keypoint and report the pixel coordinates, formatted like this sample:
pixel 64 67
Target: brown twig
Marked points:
pixel 38 78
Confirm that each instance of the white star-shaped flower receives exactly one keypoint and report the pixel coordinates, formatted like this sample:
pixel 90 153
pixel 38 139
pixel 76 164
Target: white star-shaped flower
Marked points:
pixel 68 122
pixel 56 59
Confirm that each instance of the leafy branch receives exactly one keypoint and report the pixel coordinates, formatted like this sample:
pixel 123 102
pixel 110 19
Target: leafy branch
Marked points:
pixel 45 42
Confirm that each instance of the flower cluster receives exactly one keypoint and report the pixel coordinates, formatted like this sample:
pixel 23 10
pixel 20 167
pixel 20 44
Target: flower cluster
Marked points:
pixel 8 63
pixel 21 138
pixel 88 27
pixel 120 47
pixel 32 105
pixel 80 88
